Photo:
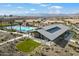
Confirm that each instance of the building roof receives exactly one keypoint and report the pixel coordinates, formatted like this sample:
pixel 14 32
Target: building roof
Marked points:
pixel 53 35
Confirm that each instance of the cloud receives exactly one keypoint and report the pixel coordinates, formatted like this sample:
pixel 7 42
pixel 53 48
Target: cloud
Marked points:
pixel 32 9
pixel 41 4
pixel 26 12
pixel 5 12
pixel 56 7
pixel 19 7
pixel 35 3
pixel 8 5
pixel 44 5
pixel 54 12
pixel 13 12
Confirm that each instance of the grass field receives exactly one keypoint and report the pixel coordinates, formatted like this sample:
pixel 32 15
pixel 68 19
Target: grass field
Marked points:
pixel 27 45
pixel 6 24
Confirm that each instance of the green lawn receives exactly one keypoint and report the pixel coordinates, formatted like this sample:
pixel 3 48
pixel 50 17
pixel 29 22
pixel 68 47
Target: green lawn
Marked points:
pixel 4 25
pixel 27 45
pixel 7 24
pixel 10 30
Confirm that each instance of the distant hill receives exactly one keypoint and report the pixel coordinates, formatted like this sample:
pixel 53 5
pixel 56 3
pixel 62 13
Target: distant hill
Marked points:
pixel 51 15
pixel 45 15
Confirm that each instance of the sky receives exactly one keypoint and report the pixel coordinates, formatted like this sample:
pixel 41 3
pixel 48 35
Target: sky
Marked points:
pixel 38 8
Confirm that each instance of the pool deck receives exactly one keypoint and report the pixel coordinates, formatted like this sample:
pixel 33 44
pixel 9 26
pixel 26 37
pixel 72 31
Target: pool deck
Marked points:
pixel 21 28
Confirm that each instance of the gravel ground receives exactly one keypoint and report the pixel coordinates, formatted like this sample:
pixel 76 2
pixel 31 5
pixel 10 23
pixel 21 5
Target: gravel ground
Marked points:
pixel 10 49
pixel 7 36
pixel 54 50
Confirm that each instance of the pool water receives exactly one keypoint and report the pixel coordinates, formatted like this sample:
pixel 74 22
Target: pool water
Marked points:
pixel 23 28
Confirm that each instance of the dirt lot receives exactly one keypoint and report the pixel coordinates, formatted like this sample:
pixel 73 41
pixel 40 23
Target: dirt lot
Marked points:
pixel 7 36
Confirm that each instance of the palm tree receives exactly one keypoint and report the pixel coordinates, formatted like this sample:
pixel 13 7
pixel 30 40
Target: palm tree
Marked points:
pixel 27 24
pixel 11 23
pixel 24 22
pixel 20 26
pixel 10 15
pixel 1 24
pixel 5 15
pixel 33 23
pixel 38 22
pixel 28 33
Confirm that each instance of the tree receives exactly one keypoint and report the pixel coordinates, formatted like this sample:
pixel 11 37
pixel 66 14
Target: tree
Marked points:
pixel 20 26
pixel 11 23
pixel 34 23
pixel 38 22
pixel 24 20
pixel 5 15
pixel 1 24
pixel 27 24
pixel 10 15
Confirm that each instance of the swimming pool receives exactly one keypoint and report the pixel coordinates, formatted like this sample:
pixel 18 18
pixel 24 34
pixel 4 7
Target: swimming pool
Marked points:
pixel 21 28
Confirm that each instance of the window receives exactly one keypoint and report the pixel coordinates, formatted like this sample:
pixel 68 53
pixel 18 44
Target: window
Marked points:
pixel 52 30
